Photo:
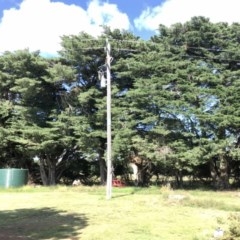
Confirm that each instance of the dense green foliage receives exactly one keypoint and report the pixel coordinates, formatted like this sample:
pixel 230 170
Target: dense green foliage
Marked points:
pixel 175 106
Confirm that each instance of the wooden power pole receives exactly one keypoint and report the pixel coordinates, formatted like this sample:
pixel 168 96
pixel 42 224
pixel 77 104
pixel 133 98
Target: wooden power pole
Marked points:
pixel 109 124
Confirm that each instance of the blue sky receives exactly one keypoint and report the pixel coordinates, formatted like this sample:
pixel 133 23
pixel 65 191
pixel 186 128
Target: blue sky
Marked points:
pixel 38 24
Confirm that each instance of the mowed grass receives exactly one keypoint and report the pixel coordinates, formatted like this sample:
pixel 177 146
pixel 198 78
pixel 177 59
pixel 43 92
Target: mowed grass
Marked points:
pixel 132 213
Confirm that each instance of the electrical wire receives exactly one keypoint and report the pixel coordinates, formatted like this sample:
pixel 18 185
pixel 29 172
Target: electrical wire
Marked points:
pixel 213 58
pixel 146 43
pixel 185 46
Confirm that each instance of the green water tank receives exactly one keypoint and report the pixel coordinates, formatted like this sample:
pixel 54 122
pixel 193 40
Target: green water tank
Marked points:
pixel 13 177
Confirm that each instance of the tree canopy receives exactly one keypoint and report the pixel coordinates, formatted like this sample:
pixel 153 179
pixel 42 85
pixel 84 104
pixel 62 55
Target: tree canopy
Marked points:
pixel 175 106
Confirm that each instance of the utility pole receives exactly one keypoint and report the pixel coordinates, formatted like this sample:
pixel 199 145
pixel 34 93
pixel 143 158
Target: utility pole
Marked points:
pixel 109 124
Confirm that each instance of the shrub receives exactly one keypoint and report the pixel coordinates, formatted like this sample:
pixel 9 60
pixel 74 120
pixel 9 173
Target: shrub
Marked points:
pixel 233 232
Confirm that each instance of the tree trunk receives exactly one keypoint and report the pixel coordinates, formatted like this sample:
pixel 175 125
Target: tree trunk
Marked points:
pixel 51 174
pixel 223 169
pixel 135 173
pixel 49 177
pixel 179 178
pixel 43 172
pixel 219 172
pixel 102 167
pixel 102 163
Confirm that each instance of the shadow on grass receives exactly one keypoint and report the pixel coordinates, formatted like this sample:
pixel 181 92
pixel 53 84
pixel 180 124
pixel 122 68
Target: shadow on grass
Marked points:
pixel 124 193
pixel 44 223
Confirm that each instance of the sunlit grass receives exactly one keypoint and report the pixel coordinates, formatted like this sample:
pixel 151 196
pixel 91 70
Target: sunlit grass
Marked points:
pixel 132 213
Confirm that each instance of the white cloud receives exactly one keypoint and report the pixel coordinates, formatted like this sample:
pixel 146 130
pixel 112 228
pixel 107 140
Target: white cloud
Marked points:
pixel 173 11
pixel 107 14
pixel 38 24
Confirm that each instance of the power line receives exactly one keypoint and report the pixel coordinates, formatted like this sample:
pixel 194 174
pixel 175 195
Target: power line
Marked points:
pixel 185 45
pixel 146 43
pixel 210 49
pixel 213 58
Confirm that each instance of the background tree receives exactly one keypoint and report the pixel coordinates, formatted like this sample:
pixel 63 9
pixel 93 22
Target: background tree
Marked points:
pixel 175 105
pixel 87 56
pixel 177 95
pixel 37 122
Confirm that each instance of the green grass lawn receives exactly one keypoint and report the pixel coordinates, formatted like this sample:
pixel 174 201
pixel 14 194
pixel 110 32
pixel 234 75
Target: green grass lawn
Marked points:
pixel 132 213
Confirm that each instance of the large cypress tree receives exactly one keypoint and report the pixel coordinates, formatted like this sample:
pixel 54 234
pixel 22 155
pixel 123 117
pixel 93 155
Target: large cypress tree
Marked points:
pixel 36 122
pixel 86 54
pixel 182 97
pixel 175 103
